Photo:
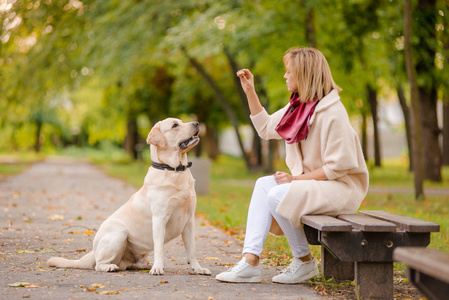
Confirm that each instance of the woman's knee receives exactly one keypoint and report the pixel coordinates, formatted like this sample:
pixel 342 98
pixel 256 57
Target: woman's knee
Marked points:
pixel 275 196
pixel 265 182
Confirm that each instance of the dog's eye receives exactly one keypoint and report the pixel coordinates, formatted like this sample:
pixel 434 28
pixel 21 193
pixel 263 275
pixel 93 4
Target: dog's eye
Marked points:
pixel 175 125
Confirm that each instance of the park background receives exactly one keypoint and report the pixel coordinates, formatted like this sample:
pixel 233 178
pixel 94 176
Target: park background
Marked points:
pixel 88 79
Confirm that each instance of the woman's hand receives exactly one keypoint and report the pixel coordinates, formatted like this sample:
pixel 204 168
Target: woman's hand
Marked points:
pixel 282 177
pixel 246 80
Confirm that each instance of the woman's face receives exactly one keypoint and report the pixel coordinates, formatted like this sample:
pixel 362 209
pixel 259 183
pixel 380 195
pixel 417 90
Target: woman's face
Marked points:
pixel 291 82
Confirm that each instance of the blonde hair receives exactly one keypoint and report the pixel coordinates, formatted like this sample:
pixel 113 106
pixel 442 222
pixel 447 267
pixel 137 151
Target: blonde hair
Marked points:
pixel 311 71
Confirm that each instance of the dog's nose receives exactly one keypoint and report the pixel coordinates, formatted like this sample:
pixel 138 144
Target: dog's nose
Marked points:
pixel 196 124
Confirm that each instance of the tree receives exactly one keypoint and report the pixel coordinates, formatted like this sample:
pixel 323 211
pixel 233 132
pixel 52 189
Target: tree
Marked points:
pixel 443 29
pixel 417 142
pixel 427 84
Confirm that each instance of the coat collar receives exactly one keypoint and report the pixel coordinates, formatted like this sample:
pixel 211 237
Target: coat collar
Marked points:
pixel 325 102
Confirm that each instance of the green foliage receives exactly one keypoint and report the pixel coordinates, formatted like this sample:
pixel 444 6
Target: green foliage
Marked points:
pixel 86 68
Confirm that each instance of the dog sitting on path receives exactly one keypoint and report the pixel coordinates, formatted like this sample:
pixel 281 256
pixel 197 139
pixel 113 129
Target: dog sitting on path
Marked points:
pixel 160 211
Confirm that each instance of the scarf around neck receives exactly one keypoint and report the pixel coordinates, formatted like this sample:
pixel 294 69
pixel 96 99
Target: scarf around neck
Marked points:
pixel 295 124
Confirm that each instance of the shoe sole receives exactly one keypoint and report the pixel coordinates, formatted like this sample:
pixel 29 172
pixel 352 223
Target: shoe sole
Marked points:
pixel 300 279
pixel 255 279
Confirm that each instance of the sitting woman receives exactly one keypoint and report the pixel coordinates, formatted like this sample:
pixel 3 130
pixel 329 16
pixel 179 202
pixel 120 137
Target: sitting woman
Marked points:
pixel 323 153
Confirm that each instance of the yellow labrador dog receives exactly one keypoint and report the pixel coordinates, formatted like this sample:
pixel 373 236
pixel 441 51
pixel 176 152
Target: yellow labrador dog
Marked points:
pixel 160 211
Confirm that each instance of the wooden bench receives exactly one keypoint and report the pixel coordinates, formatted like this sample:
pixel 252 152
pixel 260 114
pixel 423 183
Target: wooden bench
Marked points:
pixel 360 247
pixel 428 269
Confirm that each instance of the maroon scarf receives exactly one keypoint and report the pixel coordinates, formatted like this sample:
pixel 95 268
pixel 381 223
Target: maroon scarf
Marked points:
pixel 295 124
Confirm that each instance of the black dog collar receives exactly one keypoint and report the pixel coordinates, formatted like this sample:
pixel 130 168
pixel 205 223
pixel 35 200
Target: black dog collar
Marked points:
pixel 167 167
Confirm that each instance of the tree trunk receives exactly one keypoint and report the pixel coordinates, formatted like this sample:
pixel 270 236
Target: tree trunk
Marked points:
pixel 430 135
pixel 38 142
pixel 364 135
pixel 257 145
pixel 265 100
pixel 445 152
pixel 415 117
pixel 132 137
pixel 212 144
pixel 310 28
pixel 425 23
pixel 408 129
pixel 446 129
pixel 223 102
pixel 372 100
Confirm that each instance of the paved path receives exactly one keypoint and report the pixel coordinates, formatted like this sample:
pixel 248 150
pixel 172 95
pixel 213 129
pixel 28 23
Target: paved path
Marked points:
pixel 55 208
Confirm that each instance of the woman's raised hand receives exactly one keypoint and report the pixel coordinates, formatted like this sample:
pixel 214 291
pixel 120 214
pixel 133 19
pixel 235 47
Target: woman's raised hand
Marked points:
pixel 246 80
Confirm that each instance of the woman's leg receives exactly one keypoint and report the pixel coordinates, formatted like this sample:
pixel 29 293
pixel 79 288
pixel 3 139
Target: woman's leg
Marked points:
pixel 303 266
pixel 295 236
pixel 259 216
pixel 258 225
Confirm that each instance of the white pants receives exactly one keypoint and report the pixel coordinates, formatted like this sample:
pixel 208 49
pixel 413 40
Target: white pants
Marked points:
pixel 266 197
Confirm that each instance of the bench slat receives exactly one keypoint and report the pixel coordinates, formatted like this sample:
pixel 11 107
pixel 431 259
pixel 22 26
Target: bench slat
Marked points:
pixel 405 223
pixel 368 224
pixel 326 223
pixel 428 261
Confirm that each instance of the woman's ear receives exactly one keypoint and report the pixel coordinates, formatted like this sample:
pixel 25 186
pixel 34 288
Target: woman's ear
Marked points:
pixel 156 137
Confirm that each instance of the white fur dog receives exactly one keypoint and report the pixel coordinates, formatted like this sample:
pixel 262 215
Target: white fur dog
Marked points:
pixel 160 211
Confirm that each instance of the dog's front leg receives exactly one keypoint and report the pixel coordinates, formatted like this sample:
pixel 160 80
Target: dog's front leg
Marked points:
pixel 188 237
pixel 159 224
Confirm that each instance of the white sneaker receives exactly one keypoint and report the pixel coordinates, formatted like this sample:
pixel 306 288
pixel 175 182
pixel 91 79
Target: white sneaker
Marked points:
pixel 297 271
pixel 241 272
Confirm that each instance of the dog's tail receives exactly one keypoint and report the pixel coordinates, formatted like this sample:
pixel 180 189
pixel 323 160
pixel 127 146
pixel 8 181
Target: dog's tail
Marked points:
pixel 85 262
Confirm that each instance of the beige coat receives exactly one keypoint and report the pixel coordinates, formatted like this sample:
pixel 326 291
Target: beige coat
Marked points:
pixel 332 144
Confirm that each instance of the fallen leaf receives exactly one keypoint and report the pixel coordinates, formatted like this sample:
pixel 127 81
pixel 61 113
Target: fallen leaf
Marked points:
pixel 19 284
pixel 212 258
pixel 97 285
pixel 86 289
pixel 55 217
pixel 88 232
pixel 164 281
pixel 109 292
pixel 25 251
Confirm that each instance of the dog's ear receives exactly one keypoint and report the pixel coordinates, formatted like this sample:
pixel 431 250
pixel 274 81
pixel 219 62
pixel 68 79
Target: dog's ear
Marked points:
pixel 155 137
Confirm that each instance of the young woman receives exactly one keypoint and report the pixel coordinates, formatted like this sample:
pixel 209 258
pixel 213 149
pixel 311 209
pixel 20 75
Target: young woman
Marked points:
pixel 323 153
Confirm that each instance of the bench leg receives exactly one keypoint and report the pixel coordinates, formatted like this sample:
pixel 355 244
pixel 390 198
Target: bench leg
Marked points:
pixel 332 266
pixel 374 280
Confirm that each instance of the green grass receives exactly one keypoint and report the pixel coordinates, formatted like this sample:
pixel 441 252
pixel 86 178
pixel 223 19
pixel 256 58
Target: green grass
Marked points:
pixel 394 173
pixel 17 163
pixel 12 168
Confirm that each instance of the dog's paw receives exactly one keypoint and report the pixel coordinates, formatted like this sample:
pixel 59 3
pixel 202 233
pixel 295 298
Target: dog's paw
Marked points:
pixel 106 268
pixel 157 270
pixel 202 271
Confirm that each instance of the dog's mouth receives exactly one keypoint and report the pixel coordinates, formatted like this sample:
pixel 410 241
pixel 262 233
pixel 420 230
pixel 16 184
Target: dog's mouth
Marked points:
pixel 190 142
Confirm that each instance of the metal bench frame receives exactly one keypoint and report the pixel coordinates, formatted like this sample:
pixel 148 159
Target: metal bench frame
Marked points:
pixel 360 247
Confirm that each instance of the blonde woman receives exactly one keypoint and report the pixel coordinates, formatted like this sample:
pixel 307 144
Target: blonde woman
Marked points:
pixel 323 153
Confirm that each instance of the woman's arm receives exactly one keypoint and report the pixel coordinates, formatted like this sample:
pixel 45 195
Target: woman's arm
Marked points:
pixel 247 82
pixel 282 177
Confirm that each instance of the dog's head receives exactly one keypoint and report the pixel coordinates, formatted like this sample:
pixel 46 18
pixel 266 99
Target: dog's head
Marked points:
pixel 173 135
